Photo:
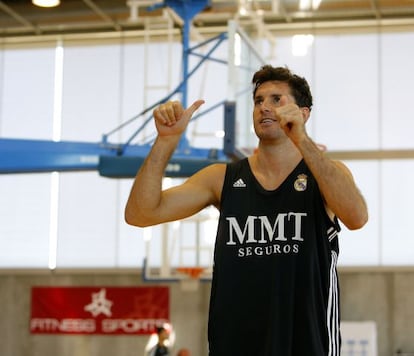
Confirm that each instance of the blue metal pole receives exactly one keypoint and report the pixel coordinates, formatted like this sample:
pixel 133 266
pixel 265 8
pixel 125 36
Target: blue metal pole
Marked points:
pixel 186 9
pixel 186 47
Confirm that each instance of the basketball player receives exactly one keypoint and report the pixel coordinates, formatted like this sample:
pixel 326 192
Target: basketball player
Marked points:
pixel 274 289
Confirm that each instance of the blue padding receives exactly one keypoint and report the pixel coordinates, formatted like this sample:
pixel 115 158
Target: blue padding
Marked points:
pixel 127 166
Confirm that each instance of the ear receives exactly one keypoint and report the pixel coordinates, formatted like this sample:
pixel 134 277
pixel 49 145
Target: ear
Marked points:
pixel 305 113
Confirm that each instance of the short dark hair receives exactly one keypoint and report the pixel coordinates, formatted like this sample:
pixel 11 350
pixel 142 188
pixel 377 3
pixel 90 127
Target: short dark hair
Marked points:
pixel 298 85
pixel 160 329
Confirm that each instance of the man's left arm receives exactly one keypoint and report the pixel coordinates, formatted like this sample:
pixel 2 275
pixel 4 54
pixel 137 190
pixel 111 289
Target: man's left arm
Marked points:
pixel 336 184
pixel 335 181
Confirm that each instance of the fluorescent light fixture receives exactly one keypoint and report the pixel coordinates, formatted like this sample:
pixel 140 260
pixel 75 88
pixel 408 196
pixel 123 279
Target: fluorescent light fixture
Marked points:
pixel 46 3
pixel 243 11
pixel 315 4
pixel 237 49
pixel 308 4
pixel 304 4
pixel 54 180
pixel 301 44
pixel 53 223
pixel 58 92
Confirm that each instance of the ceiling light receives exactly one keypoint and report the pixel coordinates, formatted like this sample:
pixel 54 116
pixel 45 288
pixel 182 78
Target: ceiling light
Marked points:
pixel 46 3
pixel 315 4
pixel 305 5
pixel 301 44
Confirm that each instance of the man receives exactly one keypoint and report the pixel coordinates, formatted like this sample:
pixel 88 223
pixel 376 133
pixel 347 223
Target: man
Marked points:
pixel 274 288
pixel 161 348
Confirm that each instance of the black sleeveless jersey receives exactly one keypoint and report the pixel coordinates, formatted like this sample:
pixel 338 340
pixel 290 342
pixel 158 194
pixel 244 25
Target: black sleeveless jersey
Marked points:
pixel 274 289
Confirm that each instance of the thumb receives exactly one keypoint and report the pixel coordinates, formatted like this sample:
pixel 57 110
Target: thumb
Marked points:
pixel 191 109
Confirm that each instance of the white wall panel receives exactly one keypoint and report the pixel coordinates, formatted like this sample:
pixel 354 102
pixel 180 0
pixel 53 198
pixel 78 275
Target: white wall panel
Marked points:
pixel 88 221
pixel 26 109
pixel 24 220
pixel 91 91
pixel 132 89
pixel 301 65
pixel 87 230
pixel 397 73
pixel 346 92
pixel 397 212
pixel 362 247
pixel 131 244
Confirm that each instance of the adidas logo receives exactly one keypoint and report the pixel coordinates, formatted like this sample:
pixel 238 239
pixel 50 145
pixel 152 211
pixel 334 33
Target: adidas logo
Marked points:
pixel 239 183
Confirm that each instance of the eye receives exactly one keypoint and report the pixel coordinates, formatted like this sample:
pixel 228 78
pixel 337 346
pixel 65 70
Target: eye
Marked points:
pixel 258 101
pixel 276 99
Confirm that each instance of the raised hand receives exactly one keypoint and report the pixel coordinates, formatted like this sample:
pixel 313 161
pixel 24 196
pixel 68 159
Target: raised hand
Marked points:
pixel 291 118
pixel 172 119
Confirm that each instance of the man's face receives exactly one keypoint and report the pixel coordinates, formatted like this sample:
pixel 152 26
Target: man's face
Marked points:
pixel 266 100
pixel 164 335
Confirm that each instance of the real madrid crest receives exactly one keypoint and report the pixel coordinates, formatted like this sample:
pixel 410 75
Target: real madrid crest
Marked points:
pixel 301 182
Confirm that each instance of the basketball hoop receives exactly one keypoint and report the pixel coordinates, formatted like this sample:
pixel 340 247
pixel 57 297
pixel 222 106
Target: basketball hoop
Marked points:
pixel 192 280
pixel 192 272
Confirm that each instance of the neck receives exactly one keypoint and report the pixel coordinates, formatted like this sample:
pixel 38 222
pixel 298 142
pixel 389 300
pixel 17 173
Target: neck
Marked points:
pixel 272 165
pixel 273 157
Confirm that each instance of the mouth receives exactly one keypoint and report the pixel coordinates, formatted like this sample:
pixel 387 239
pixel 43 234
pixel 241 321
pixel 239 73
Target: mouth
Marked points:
pixel 267 121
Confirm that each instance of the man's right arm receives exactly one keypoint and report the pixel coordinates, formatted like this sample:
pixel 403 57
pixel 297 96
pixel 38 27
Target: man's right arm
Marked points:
pixel 147 203
pixel 146 191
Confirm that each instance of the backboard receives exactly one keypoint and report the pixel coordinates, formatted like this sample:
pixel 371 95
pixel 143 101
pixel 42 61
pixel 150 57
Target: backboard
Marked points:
pixel 181 250
pixel 243 61
pixel 175 251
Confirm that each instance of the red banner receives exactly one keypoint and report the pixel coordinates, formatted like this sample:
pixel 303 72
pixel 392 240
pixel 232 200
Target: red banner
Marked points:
pixel 99 310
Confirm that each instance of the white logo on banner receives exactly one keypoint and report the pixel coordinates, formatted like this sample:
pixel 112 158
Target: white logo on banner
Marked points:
pixel 99 304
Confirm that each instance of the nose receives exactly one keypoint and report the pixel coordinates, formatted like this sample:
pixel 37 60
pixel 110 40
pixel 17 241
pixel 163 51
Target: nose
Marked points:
pixel 265 106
